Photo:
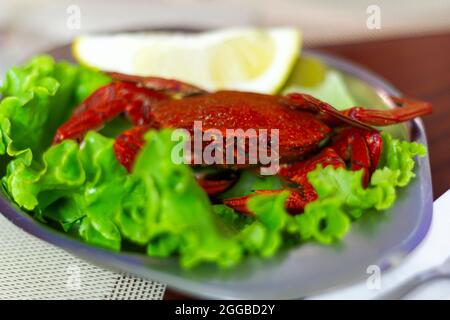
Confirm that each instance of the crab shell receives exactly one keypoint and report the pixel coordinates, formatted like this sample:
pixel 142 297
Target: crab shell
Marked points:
pixel 299 131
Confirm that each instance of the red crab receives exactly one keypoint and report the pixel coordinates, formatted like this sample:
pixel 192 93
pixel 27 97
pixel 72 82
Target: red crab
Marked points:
pixel 311 132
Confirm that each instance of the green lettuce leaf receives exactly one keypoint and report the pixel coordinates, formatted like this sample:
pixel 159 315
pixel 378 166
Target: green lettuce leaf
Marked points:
pixel 74 184
pixel 324 221
pixel 176 212
pixel 61 170
pixel 37 98
pixel 399 155
pixel 232 221
pixel 265 236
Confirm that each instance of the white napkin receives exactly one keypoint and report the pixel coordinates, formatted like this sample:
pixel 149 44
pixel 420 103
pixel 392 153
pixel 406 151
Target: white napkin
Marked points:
pixel 433 250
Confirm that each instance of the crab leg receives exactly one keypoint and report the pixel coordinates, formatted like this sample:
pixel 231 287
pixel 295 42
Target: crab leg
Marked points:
pixel 294 203
pixel 360 117
pixel 128 144
pixel 168 86
pixel 350 144
pixel 407 109
pixel 327 112
pixel 295 173
pixel 105 104
pixel 132 95
pixel 375 145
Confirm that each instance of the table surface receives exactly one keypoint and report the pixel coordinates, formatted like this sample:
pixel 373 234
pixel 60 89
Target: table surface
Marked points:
pixel 419 67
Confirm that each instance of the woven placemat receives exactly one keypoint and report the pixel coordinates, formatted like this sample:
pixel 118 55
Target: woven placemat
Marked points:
pixel 34 269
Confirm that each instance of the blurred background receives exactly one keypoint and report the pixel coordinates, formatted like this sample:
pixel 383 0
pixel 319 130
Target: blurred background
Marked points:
pixel 30 25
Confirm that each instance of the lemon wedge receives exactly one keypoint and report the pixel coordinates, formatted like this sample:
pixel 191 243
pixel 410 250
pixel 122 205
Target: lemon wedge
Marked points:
pixel 247 59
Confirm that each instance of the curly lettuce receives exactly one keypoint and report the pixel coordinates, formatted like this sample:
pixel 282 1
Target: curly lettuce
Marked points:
pixel 36 99
pixel 76 186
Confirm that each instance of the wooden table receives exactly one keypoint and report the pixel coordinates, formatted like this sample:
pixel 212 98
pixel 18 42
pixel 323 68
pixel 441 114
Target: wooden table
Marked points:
pixel 419 67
